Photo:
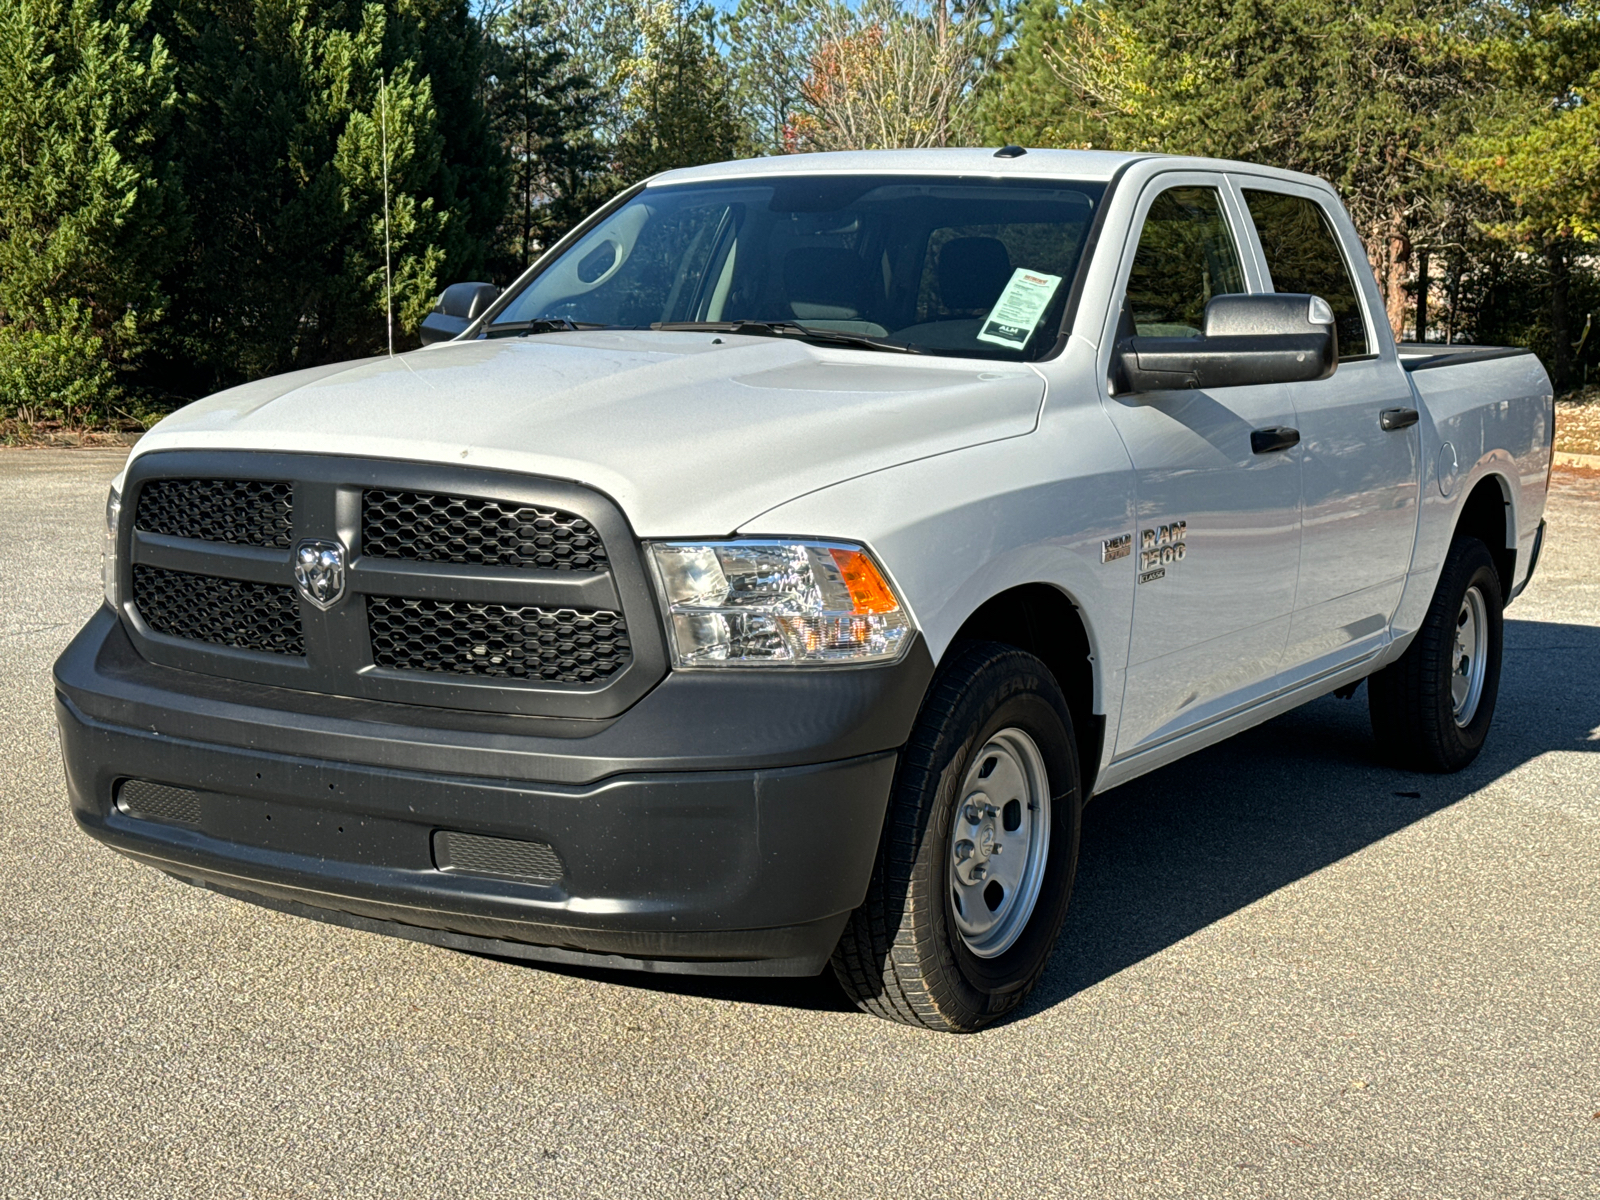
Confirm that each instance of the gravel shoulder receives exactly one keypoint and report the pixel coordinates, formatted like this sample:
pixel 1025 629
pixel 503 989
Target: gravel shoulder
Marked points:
pixel 1578 422
pixel 1288 971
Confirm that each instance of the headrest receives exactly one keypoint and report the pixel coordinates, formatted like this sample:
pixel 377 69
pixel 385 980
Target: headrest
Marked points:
pixel 825 283
pixel 973 271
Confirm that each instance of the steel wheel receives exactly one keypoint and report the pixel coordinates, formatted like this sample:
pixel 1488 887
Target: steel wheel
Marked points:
pixel 999 842
pixel 1470 658
pixel 994 729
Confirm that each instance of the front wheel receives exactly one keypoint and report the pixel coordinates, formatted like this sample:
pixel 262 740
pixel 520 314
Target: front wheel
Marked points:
pixel 1432 707
pixel 979 849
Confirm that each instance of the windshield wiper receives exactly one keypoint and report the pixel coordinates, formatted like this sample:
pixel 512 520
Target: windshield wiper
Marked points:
pixel 792 329
pixel 541 325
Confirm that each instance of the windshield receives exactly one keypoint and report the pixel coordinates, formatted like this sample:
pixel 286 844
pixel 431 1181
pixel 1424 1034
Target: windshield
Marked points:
pixel 946 264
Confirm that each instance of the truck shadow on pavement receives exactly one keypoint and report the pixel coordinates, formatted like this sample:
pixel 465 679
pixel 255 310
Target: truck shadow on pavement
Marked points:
pixel 1183 847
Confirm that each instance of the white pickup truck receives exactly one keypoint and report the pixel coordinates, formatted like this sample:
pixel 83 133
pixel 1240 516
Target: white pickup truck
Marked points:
pixel 770 575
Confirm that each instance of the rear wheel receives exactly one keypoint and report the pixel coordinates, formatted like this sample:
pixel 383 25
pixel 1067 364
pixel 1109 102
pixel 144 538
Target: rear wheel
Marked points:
pixel 1431 708
pixel 978 853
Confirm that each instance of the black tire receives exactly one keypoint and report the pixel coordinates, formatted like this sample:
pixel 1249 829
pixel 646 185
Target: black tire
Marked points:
pixel 1410 701
pixel 900 957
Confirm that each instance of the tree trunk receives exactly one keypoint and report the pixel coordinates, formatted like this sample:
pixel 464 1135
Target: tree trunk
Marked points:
pixel 1389 252
pixel 1558 263
pixel 1398 246
pixel 1422 295
pixel 1455 296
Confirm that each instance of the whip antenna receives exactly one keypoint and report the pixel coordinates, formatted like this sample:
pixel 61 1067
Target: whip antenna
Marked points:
pixel 388 272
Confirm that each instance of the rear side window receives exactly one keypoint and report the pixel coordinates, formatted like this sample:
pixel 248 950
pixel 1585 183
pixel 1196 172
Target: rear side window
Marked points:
pixel 1303 256
pixel 1186 256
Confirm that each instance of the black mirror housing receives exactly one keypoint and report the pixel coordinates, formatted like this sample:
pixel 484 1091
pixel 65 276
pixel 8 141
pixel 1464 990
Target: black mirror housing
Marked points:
pixel 459 305
pixel 1286 337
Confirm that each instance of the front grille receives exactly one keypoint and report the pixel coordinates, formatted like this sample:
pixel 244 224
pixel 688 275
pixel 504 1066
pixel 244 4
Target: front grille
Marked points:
pixel 158 802
pixel 245 512
pixel 463 589
pixel 498 858
pixel 465 637
pixel 224 612
pixel 425 527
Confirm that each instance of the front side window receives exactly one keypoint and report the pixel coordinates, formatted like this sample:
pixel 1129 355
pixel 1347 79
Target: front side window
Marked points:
pixel 949 265
pixel 1303 256
pixel 1186 256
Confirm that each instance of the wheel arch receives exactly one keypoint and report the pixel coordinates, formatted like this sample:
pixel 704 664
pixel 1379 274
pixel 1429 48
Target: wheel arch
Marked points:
pixel 1043 620
pixel 1489 514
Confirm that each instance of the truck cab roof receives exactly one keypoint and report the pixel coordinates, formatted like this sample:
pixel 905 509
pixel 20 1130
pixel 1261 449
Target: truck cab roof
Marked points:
pixel 1096 165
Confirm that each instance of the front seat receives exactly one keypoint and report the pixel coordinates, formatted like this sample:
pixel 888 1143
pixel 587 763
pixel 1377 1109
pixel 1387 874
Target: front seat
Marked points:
pixel 973 271
pixel 827 283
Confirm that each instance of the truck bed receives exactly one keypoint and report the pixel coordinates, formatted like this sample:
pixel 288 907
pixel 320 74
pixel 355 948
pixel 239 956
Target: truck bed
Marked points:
pixel 1424 356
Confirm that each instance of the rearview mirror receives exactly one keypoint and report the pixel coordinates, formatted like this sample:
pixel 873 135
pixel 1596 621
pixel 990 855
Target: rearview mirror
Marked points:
pixel 459 306
pixel 1286 337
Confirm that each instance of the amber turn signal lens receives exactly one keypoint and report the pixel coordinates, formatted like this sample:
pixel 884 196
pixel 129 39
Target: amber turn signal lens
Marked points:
pixel 867 588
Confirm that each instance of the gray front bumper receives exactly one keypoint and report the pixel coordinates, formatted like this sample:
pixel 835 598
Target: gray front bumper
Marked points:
pixel 737 866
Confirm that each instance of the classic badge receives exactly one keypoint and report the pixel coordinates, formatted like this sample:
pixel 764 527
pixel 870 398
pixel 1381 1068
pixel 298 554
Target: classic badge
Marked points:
pixel 319 572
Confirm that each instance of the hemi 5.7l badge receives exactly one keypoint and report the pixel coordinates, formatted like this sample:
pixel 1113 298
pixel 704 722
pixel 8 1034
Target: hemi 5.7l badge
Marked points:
pixel 1115 548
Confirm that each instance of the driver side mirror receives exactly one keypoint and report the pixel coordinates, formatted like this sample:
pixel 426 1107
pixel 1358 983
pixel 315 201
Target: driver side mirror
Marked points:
pixel 459 306
pixel 1284 337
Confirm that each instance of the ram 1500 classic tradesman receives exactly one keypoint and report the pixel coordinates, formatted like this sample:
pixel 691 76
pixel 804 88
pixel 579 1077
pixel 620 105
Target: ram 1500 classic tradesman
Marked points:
pixel 772 572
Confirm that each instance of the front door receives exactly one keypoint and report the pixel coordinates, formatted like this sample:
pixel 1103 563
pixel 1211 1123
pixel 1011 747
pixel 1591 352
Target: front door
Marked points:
pixel 1217 543
pixel 1360 469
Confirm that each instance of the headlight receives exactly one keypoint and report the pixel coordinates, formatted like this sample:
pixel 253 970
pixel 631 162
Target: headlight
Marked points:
pixel 756 603
pixel 108 548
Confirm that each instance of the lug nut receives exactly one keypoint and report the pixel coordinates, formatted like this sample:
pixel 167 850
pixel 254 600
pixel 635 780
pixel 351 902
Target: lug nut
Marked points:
pixel 964 850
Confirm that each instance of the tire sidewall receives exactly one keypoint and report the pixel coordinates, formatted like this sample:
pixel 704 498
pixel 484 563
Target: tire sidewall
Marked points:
pixel 1476 569
pixel 1000 698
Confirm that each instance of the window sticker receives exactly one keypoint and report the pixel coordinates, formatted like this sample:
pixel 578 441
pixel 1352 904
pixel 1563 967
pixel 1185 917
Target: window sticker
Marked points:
pixel 1010 322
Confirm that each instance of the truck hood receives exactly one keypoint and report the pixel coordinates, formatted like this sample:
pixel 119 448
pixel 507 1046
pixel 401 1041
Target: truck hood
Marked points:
pixel 690 433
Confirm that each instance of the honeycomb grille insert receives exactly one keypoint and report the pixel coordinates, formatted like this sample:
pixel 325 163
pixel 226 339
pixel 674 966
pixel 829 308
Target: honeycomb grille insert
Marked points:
pixel 244 512
pixel 498 858
pixel 463 637
pixel 158 802
pixel 224 612
pixel 425 527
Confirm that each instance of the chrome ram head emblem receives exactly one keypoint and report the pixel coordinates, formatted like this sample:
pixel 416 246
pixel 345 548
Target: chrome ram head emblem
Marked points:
pixel 319 572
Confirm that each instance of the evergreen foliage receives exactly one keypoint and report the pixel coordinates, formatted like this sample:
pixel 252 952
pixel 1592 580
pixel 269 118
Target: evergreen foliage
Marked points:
pixel 283 117
pixel 1370 97
pixel 90 211
pixel 680 99
pixel 1540 150
pixel 769 54
pixel 544 113
pixel 191 191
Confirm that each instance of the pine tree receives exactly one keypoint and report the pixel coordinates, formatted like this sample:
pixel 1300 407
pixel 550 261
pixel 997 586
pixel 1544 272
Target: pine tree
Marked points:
pixel 770 44
pixel 1370 97
pixel 89 207
pixel 285 109
pixel 544 112
pixel 680 98
pixel 1541 152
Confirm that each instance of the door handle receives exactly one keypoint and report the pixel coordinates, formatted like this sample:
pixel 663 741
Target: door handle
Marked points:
pixel 1273 437
pixel 1391 419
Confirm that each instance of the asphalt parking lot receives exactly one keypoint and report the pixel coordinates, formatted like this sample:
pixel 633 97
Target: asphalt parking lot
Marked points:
pixel 1288 971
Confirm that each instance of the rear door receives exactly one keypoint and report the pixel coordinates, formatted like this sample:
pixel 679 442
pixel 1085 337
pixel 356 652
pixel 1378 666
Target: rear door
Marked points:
pixel 1217 543
pixel 1360 469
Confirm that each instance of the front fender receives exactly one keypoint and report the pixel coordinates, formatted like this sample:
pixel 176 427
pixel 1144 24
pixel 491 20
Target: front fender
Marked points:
pixel 954 530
